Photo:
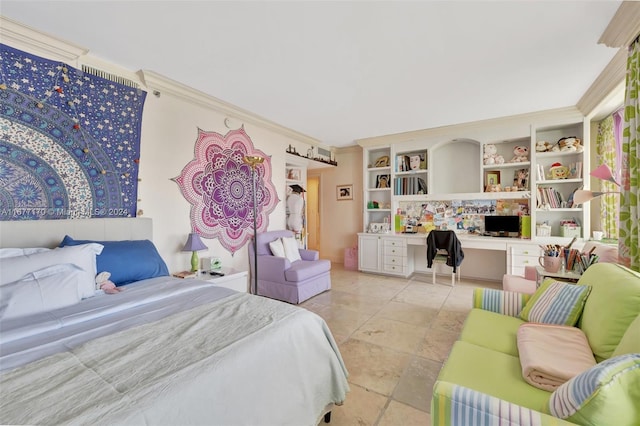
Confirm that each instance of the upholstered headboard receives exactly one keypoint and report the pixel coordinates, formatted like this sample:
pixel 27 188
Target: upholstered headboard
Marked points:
pixel 49 233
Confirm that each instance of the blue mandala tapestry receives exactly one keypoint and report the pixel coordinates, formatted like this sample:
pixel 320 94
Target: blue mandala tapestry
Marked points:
pixel 69 141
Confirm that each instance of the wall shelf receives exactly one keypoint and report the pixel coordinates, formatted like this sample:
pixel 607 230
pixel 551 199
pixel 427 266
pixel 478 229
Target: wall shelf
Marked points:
pixel 310 163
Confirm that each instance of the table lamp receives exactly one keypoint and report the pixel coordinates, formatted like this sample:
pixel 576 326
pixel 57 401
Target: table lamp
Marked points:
pixel 194 244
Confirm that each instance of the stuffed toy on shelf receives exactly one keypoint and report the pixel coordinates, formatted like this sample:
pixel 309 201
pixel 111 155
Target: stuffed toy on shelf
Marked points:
pixel 543 146
pixel 520 154
pixel 491 155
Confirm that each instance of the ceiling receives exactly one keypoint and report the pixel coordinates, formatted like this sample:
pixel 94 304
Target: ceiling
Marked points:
pixel 345 70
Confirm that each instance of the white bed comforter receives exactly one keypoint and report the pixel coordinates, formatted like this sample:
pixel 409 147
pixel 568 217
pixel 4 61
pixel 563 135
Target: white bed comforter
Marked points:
pixel 231 359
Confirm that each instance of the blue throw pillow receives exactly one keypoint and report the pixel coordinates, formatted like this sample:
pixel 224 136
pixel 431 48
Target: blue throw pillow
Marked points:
pixel 127 261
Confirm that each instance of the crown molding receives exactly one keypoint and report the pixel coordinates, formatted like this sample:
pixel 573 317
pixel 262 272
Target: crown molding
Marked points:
pixel 465 130
pixel 26 38
pixel 624 27
pixel 155 81
pixel 606 84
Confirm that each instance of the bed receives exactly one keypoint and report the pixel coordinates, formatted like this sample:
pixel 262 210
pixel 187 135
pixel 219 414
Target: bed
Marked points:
pixel 163 351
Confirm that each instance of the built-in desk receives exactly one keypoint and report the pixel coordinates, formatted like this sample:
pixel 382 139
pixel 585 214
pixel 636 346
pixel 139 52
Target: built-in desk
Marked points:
pixel 486 258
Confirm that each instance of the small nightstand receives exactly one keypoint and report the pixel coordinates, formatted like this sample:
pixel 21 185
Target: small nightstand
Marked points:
pixel 232 279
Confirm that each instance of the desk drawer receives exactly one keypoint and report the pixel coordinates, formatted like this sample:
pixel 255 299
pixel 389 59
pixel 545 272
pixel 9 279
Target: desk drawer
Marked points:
pixel 524 261
pixel 394 242
pixel 394 251
pixel 521 255
pixel 395 269
pixel 395 260
pixel 525 250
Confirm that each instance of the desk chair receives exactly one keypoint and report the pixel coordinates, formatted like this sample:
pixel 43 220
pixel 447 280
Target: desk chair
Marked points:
pixel 444 247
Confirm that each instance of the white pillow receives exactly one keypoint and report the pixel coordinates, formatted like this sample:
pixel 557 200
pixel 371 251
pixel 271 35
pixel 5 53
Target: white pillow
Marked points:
pixel 83 256
pixel 49 288
pixel 13 252
pixel 277 249
pixel 291 249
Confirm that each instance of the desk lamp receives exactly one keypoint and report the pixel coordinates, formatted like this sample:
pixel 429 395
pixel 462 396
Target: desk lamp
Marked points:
pixel 603 172
pixel 194 245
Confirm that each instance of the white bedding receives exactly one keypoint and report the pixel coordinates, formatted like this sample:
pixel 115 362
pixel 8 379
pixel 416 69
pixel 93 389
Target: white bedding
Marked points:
pixel 219 358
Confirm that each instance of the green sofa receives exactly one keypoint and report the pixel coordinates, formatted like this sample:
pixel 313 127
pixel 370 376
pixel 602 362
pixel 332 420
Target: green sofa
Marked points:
pixel 481 382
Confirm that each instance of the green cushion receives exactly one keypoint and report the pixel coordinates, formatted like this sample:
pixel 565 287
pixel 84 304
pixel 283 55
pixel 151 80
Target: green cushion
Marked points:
pixel 606 394
pixel 491 330
pixel 493 373
pixel 612 306
pixel 556 302
pixel 630 342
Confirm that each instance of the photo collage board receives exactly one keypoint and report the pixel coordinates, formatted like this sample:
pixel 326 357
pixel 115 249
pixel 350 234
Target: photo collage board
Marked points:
pixel 467 215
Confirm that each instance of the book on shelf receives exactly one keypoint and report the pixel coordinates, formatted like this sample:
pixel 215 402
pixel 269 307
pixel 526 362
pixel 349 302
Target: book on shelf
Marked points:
pixel 185 274
pixel 403 163
pixel 550 197
pixel 411 185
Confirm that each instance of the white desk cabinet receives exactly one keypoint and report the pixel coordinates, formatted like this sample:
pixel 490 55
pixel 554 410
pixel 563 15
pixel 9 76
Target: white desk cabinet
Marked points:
pixel 383 254
pixel 521 255
pixel 394 256
pixel 369 253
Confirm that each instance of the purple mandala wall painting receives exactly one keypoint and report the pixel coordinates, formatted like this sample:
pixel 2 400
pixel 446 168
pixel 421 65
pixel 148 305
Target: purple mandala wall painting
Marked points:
pixel 217 183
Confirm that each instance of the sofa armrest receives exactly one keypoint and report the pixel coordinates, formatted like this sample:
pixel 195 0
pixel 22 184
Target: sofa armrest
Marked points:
pixel 499 301
pixel 457 405
pixel 271 268
pixel 309 254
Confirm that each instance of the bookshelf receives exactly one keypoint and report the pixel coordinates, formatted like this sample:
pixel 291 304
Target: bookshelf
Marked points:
pixel 557 175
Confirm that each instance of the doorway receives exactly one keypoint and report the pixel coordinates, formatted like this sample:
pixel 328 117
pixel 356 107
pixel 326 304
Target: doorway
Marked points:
pixel 313 212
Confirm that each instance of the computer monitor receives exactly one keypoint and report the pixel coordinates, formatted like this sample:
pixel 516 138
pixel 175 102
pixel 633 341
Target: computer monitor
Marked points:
pixel 502 226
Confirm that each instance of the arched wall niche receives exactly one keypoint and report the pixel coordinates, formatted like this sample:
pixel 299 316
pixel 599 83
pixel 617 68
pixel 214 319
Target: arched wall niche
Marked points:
pixel 456 167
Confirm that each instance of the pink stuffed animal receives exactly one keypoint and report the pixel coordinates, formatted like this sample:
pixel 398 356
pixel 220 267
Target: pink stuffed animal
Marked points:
pixel 103 283
pixel 520 154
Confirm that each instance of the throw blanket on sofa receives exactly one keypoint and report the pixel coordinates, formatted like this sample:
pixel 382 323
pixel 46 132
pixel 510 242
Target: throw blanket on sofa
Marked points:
pixel 552 354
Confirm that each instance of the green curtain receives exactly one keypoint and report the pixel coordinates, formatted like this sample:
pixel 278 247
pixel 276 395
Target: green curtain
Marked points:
pixel 629 199
pixel 606 154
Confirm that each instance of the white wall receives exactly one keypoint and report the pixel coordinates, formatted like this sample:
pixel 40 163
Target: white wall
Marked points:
pixel 340 221
pixel 169 131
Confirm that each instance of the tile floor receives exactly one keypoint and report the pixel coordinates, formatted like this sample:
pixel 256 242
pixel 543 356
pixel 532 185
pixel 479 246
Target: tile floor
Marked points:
pixel 393 334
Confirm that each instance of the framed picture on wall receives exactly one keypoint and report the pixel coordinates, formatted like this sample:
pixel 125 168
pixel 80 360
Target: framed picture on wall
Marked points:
pixel 344 192
pixel 293 174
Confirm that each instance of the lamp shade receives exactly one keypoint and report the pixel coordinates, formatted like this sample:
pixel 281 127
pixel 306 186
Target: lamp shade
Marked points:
pixel 604 172
pixel 582 196
pixel 194 243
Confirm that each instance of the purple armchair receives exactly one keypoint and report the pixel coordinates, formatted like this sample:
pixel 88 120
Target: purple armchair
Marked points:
pixel 278 278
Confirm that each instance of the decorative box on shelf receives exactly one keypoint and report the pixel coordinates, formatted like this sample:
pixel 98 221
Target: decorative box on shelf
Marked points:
pixel 568 230
pixel 543 230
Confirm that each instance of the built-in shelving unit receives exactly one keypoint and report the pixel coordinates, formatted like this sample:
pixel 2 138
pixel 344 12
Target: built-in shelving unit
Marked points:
pixel 455 170
pixel 557 175
pixel 410 173
pixel 377 185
